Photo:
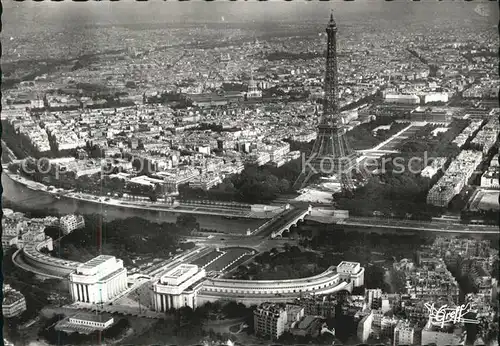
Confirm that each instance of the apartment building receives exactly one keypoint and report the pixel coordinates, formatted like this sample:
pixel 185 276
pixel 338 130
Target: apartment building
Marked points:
pixel 490 178
pixel 205 182
pixel 446 336
pixel 365 327
pixel 455 178
pixel 69 223
pixel 13 303
pixel 270 320
pixel 403 333
pixel 319 306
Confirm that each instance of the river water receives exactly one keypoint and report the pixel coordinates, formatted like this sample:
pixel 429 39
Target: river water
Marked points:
pixel 21 198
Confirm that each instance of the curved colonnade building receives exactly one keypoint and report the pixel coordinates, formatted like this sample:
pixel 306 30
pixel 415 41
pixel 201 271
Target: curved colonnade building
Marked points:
pixel 95 281
pixel 104 277
pixel 186 285
pixel 45 264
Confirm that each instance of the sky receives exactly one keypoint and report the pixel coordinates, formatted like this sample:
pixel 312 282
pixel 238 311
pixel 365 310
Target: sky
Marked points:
pixel 18 15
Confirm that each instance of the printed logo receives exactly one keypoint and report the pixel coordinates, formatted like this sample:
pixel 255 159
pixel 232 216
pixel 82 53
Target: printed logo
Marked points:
pixel 447 314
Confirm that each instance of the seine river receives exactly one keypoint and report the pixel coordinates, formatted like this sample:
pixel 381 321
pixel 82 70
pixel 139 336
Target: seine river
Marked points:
pixel 21 198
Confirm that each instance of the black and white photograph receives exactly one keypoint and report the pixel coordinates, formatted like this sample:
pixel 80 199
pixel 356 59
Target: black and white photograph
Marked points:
pixel 243 173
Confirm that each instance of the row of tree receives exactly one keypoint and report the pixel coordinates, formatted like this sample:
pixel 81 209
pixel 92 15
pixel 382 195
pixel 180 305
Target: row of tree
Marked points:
pixel 187 322
pixel 292 263
pixel 159 240
pixel 399 188
pixel 97 183
pixel 254 185
pixel 362 136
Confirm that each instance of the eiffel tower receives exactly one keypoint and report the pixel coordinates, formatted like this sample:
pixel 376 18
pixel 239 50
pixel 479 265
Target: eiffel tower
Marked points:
pixel 331 154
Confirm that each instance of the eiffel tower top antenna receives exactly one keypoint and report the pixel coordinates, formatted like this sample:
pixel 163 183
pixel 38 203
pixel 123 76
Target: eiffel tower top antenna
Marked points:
pixel 330 105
